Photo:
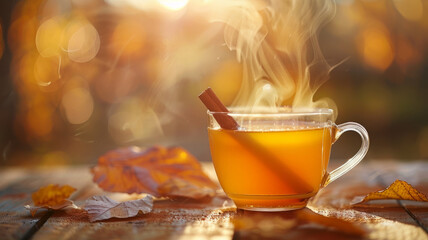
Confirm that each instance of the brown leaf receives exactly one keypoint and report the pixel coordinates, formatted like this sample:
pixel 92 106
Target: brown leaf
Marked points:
pixel 176 187
pixel 399 190
pixel 103 207
pixel 159 171
pixel 51 197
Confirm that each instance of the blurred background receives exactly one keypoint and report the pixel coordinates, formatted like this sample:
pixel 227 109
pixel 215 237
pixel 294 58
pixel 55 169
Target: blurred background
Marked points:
pixel 81 77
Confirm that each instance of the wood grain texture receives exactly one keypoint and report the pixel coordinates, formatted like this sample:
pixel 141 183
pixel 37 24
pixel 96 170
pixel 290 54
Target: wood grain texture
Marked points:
pixel 168 220
pixel 387 220
pixel 17 186
pixel 391 222
pixel 215 219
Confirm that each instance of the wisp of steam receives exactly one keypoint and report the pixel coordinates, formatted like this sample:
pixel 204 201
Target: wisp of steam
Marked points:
pixel 277 43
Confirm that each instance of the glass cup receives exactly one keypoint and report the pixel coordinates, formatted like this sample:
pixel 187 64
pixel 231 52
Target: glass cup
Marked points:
pixel 277 161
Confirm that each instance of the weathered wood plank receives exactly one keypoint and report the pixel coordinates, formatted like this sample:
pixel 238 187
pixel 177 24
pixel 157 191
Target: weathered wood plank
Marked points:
pixel 190 220
pixel 391 222
pixel 186 220
pixel 168 220
pixel 416 175
pixel 18 184
pixel 14 220
pixel 381 223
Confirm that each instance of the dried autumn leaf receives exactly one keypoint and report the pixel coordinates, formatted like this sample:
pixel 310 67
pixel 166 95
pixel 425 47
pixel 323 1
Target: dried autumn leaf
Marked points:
pixel 51 197
pixel 102 207
pixel 176 187
pixel 159 171
pixel 399 190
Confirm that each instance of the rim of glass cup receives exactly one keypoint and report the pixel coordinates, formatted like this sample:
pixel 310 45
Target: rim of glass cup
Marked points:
pixel 283 111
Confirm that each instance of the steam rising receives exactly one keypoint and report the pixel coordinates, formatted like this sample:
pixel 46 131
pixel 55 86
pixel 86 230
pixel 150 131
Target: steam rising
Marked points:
pixel 140 59
pixel 276 41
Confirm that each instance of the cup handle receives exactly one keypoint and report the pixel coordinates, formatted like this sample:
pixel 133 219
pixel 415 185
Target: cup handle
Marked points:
pixel 353 161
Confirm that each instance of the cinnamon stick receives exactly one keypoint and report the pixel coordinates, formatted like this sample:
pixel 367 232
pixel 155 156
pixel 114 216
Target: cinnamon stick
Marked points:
pixel 213 103
pixel 220 113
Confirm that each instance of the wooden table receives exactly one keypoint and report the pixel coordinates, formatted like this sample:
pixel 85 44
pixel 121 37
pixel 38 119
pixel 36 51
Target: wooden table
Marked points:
pixel 215 219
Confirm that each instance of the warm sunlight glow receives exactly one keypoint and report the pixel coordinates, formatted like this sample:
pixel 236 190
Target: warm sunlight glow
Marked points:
pixel 78 105
pixel 411 10
pixel 84 44
pixel 174 4
pixel 376 47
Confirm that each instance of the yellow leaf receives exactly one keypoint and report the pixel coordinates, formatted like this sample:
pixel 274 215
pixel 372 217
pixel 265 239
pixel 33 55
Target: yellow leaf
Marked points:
pixel 52 195
pixel 399 190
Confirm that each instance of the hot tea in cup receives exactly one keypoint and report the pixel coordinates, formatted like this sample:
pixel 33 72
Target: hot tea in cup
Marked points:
pixel 276 161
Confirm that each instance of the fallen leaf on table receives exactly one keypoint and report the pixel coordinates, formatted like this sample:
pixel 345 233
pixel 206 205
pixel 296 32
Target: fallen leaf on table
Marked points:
pixel 399 190
pixel 102 207
pixel 159 171
pixel 176 187
pixel 51 197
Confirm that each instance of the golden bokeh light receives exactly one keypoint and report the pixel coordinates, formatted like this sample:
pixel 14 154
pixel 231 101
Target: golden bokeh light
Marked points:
pixel 78 105
pixel 376 46
pixel 411 10
pixel 49 37
pixel 136 67
pixel 84 44
pixel 128 39
pixel 46 70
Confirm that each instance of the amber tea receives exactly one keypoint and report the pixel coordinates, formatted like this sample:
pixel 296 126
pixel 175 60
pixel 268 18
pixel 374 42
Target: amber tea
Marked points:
pixel 244 173
pixel 277 161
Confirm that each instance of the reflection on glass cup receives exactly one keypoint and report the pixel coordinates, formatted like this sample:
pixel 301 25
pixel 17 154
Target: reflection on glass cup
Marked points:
pixel 277 161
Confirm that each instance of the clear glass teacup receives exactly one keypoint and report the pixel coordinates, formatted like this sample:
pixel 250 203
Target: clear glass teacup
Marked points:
pixel 277 161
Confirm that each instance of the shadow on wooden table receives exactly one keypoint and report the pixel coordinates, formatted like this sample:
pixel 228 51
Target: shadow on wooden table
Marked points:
pixel 298 224
pixel 168 220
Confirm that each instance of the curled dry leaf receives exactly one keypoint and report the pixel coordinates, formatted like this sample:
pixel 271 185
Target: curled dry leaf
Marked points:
pixel 102 207
pixel 176 187
pixel 51 196
pixel 159 171
pixel 399 190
